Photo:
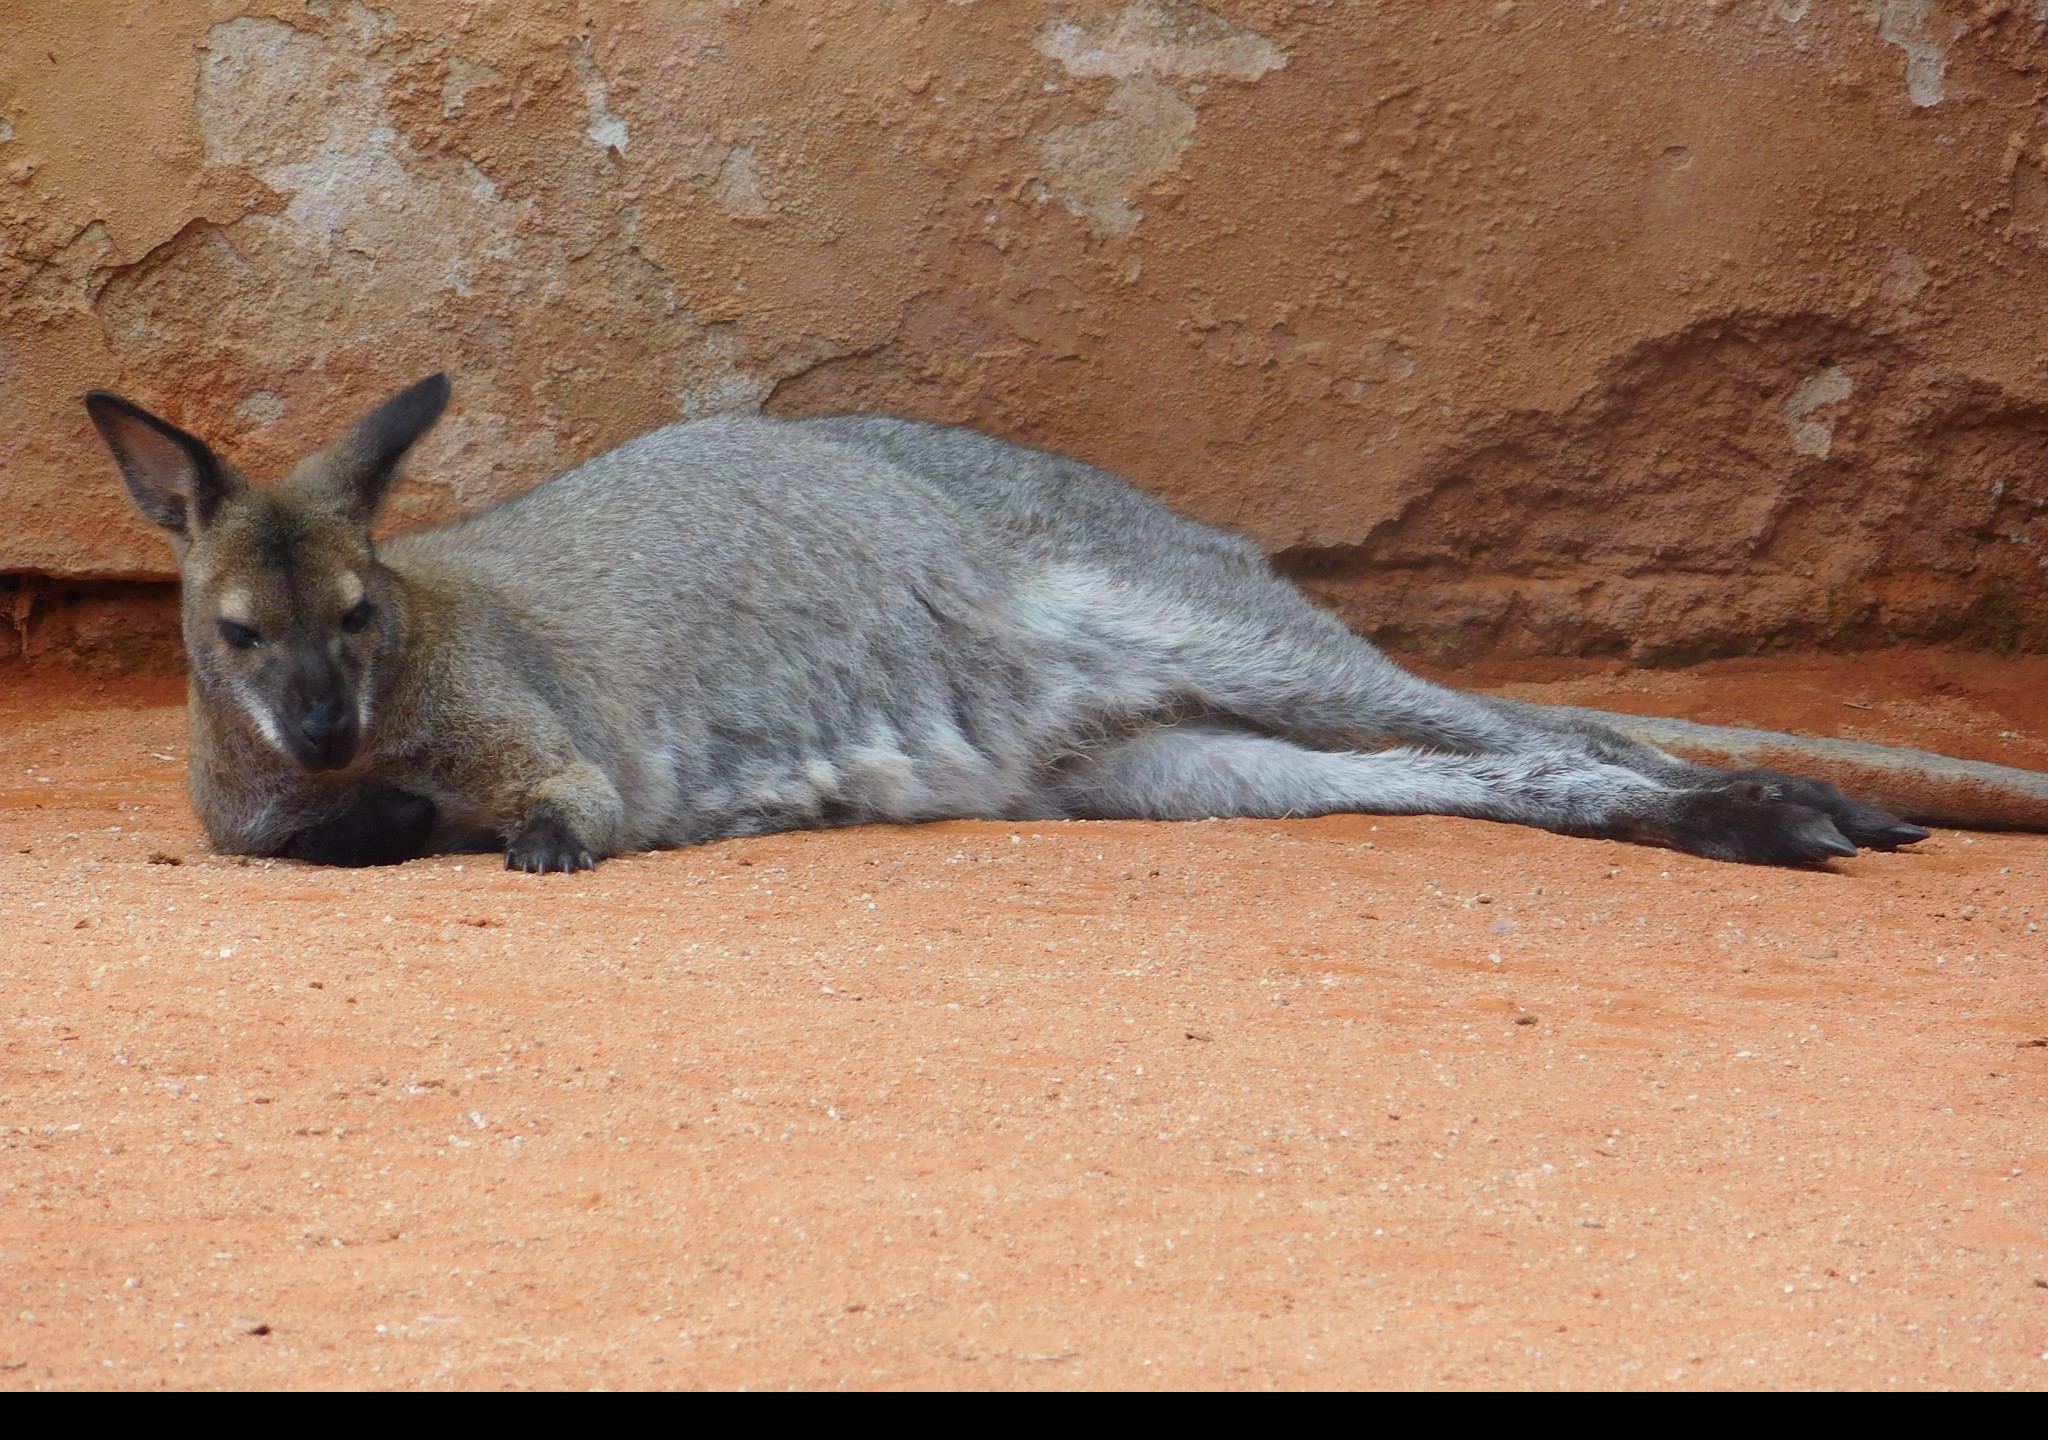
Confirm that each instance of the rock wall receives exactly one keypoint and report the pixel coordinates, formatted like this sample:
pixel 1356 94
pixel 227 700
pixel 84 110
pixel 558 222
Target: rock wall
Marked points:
pixel 1664 329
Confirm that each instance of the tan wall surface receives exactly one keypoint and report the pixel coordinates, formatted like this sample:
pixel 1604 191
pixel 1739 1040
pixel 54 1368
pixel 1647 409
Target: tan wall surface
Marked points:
pixel 1662 328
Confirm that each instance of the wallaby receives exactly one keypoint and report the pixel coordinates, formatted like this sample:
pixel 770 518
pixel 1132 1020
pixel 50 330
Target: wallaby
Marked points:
pixel 741 625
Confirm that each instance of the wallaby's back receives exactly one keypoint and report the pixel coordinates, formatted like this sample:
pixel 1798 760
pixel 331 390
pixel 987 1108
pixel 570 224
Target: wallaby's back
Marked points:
pixel 812 500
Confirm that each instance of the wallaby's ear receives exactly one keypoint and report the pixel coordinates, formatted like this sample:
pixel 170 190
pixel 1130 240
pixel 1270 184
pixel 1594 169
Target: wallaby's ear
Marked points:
pixel 357 469
pixel 176 481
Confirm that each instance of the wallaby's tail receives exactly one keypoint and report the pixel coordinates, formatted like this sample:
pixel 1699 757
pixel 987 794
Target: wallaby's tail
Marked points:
pixel 1915 785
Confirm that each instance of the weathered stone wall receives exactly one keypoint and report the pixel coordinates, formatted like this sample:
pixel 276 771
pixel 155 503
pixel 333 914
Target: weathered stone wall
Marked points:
pixel 1662 328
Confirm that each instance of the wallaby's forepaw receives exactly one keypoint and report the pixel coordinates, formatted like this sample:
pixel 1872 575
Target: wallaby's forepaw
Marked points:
pixel 544 845
pixel 1861 824
pixel 1748 821
pixel 381 827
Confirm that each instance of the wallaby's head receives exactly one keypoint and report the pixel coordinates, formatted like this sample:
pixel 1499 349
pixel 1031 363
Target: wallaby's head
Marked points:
pixel 289 619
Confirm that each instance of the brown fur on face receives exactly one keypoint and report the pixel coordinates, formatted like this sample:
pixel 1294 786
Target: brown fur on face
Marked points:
pixel 290 620
pixel 291 624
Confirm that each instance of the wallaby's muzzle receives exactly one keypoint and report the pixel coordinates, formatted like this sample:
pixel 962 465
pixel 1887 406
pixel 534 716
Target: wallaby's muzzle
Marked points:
pixel 326 739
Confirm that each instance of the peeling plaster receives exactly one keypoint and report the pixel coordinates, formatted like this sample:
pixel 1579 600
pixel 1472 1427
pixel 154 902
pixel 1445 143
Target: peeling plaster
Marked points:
pixel 464 77
pixel 1905 276
pixel 1924 32
pixel 1167 41
pixel 1811 435
pixel 1905 281
pixel 310 119
pixel 738 186
pixel 1096 168
pixel 261 407
pixel 606 130
pixel 719 385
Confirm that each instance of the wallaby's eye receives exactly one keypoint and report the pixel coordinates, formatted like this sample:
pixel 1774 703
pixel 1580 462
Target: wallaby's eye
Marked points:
pixel 239 636
pixel 353 622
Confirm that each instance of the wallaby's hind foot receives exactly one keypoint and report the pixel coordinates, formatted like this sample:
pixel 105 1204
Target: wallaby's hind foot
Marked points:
pixel 1865 825
pixel 382 827
pixel 1747 822
pixel 1919 787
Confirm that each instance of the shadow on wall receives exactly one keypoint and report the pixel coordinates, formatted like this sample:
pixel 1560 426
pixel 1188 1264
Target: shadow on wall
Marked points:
pixel 1865 502
pixel 96 627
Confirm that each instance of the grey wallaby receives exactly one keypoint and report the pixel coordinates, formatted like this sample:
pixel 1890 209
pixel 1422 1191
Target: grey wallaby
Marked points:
pixel 742 625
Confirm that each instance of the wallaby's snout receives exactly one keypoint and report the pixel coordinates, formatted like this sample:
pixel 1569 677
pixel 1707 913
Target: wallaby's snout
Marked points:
pixel 326 739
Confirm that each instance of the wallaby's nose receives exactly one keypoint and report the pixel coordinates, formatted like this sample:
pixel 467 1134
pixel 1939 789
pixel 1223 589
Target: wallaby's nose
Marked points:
pixel 330 734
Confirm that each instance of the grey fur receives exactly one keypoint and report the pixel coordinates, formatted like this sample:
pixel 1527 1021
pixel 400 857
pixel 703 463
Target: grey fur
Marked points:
pixel 742 625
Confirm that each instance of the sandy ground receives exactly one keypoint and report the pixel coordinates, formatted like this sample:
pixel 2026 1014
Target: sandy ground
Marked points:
pixel 1331 1102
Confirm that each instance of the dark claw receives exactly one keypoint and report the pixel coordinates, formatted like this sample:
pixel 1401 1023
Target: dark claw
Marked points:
pixel 1834 843
pixel 1894 836
pixel 1808 837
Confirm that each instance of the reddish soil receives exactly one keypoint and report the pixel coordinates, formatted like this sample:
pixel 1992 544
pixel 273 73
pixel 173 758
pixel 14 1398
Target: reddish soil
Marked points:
pixel 1333 1102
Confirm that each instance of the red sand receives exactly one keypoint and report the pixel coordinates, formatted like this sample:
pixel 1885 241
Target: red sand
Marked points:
pixel 1332 1102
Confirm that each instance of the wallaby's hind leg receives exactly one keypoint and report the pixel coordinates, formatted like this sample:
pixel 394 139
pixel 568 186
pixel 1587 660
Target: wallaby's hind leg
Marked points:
pixel 1273 661
pixel 1187 772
